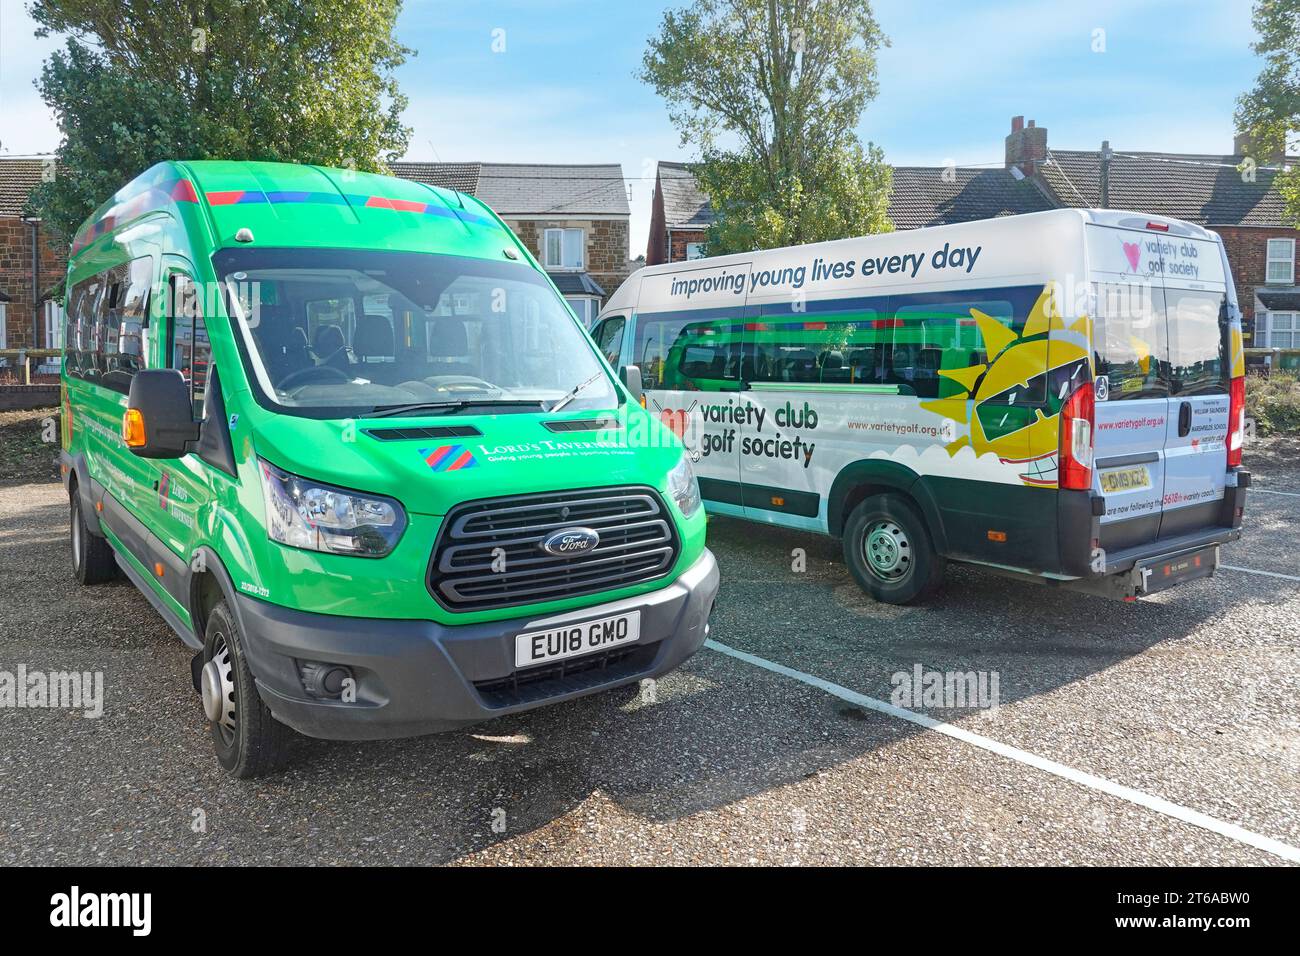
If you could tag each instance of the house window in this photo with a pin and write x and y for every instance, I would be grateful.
(562, 248)
(1283, 330)
(4, 334)
(1281, 261)
(585, 308)
(694, 250)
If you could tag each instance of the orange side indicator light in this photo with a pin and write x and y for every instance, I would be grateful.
(997, 536)
(99, 506)
(133, 428)
(778, 502)
(158, 568)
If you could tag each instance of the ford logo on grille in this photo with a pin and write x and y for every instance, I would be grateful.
(570, 541)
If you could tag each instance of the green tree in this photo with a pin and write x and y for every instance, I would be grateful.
(1270, 113)
(770, 93)
(307, 81)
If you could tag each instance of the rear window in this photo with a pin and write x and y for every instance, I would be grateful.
(1198, 323)
(1130, 340)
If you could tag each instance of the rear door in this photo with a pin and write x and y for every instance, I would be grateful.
(1132, 383)
(1196, 452)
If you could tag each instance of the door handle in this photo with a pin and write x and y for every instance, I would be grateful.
(1184, 419)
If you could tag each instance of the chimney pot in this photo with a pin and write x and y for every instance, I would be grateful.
(1026, 147)
(1031, 124)
(1017, 123)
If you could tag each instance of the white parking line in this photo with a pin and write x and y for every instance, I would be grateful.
(1267, 574)
(1137, 797)
(1270, 491)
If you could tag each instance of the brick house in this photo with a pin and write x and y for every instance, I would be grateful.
(679, 216)
(1207, 189)
(29, 318)
(574, 219)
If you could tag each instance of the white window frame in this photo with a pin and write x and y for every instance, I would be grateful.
(560, 266)
(589, 311)
(4, 325)
(699, 250)
(1287, 258)
(1291, 330)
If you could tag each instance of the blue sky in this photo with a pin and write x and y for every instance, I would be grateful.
(564, 88)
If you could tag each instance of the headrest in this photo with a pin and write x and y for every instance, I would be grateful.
(373, 338)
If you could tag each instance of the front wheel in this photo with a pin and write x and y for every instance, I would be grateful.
(92, 556)
(248, 740)
(888, 548)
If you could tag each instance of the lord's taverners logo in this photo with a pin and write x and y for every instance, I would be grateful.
(449, 458)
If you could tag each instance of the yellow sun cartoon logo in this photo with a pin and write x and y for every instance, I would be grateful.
(993, 401)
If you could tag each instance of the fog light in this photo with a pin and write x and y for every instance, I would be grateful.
(324, 680)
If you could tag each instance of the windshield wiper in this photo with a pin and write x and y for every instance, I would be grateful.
(385, 411)
(573, 393)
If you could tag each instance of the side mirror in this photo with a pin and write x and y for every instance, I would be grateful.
(630, 376)
(159, 420)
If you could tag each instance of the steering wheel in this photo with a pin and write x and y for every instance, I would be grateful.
(325, 374)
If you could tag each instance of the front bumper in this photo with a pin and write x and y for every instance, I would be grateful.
(421, 677)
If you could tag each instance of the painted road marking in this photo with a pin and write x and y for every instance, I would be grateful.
(1269, 491)
(1267, 574)
(1137, 797)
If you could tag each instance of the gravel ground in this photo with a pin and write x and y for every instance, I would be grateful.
(1190, 696)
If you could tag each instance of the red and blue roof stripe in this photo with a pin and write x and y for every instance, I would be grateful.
(182, 190)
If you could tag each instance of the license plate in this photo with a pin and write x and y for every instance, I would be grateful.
(1186, 567)
(576, 639)
(1125, 479)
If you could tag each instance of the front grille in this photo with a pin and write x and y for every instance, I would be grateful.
(638, 543)
(566, 677)
(583, 425)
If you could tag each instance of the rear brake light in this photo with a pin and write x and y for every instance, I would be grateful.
(1158, 226)
(1236, 421)
(1075, 453)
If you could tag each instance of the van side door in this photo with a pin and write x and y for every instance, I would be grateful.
(181, 487)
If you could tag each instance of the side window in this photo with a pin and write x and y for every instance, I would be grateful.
(609, 338)
(1130, 340)
(932, 338)
(124, 322)
(80, 343)
(840, 348)
(682, 353)
(190, 350)
(1198, 340)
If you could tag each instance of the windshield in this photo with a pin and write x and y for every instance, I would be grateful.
(344, 333)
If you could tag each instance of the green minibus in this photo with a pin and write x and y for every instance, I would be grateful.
(343, 433)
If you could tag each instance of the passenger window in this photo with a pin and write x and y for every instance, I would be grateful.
(80, 343)
(191, 352)
(688, 354)
(1130, 342)
(125, 321)
(609, 338)
(839, 348)
(1198, 337)
(943, 335)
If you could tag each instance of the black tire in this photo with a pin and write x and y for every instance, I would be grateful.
(888, 548)
(92, 556)
(248, 740)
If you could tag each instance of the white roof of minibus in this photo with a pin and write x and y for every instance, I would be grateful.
(626, 295)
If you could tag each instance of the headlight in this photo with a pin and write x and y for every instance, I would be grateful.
(307, 514)
(684, 488)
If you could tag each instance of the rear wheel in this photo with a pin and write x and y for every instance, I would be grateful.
(248, 740)
(888, 548)
(92, 556)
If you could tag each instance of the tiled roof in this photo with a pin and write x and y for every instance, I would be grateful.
(462, 177)
(922, 197)
(1204, 189)
(576, 283)
(685, 205)
(1287, 297)
(521, 189)
(18, 177)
